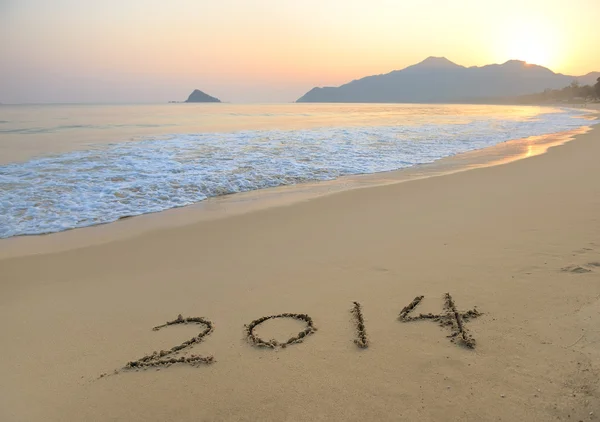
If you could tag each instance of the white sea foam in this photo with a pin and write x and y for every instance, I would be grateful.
(84, 188)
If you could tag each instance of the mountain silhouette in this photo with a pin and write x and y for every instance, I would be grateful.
(200, 97)
(438, 80)
(589, 79)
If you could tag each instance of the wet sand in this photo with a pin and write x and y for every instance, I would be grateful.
(516, 245)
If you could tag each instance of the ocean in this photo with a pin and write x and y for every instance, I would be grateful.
(69, 166)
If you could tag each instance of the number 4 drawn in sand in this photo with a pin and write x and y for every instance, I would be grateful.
(451, 318)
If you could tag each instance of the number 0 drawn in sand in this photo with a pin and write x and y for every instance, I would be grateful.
(273, 344)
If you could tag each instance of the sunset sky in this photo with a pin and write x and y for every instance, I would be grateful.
(269, 50)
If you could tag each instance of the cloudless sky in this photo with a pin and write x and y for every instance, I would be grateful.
(269, 50)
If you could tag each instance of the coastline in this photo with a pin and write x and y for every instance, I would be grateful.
(517, 240)
(245, 202)
(153, 121)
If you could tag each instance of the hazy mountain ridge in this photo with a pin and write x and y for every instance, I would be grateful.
(589, 79)
(438, 80)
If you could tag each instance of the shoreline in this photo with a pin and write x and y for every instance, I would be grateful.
(245, 202)
(519, 242)
(48, 143)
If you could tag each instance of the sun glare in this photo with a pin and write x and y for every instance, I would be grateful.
(532, 43)
(532, 51)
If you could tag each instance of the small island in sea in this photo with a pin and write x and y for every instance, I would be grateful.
(200, 97)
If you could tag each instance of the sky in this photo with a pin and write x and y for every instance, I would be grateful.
(132, 51)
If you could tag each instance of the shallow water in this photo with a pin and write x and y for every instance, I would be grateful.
(118, 161)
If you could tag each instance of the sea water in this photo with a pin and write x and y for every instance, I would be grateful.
(75, 166)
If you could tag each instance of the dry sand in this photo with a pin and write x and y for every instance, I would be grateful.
(519, 241)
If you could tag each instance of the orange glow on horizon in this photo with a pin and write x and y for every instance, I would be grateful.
(270, 50)
(533, 41)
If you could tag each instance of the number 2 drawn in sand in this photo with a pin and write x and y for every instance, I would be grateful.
(161, 358)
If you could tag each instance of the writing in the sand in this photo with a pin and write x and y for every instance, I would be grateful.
(450, 318)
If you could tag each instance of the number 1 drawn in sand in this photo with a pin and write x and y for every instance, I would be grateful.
(361, 333)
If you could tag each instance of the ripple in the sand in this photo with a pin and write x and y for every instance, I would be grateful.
(576, 269)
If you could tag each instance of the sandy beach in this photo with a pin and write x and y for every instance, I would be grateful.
(518, 242)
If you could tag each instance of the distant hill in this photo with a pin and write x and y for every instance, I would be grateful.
(589, 79)
(438, 80)
(200, 97)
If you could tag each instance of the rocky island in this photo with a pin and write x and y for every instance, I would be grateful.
(200, 97)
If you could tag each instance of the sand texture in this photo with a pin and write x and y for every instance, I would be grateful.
(473, 296)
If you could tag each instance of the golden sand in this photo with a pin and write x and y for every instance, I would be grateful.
(517, 247)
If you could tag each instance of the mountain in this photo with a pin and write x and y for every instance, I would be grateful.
(589, 79)
(200, 97)
(438, 80)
